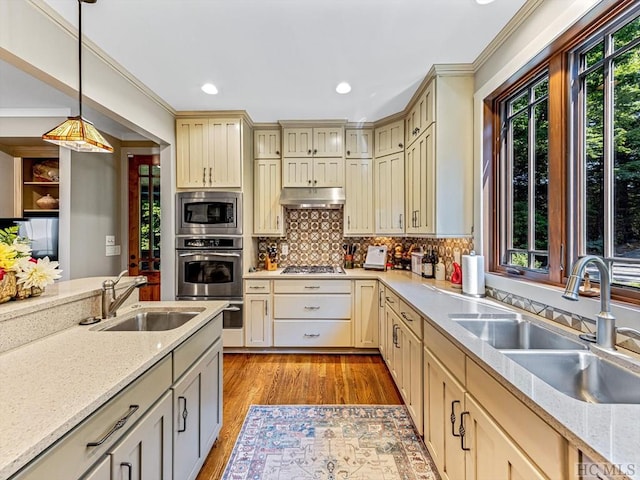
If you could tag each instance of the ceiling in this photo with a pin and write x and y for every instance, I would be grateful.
(277, 59)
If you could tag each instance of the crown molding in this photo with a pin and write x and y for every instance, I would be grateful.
(312, 123)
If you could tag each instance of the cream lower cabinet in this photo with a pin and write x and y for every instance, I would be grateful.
(365, 311)
(475, 429)
(312, 313)
(145, 451)
(102, 471)
(388, 173)
(258, 320)
(268, 214)
(358, 208)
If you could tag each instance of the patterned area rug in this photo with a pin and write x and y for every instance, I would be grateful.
(329, 442)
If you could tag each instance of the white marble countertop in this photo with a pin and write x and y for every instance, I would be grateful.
(606, 432)
(50, 385)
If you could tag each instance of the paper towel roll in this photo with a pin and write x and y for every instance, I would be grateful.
(473, 275)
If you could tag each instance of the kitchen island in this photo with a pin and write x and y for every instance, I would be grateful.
(52, 384)
(606, 433)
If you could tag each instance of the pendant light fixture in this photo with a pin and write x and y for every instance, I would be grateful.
(77, 133)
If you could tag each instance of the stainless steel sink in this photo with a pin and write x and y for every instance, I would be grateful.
(510, 331)
(153, 321)
(582, 375)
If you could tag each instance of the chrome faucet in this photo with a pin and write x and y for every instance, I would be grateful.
(605, 321)
(111, 303)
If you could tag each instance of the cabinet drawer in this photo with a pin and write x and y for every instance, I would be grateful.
(392, 300)
(411, 318)
(70, 457)
(547, 448)
(312, 306)
(312, 286)
(445, 351)
(257, 286)
(319, 333)
(186, 354)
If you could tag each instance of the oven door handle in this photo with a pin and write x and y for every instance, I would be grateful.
(231, 309)
(210, 254)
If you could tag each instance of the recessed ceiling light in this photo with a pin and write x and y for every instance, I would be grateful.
(343, 87)
(484, 2)
(209, 88)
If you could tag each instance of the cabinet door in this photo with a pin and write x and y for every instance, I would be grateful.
(491, 453)
(443, 401)
(267, 211)
(389, 200)
(389, 139)
(192, 155)
(366, 313)
(420, 184)
(266, 144)
(210, 398)
(382, 338)
(297, 142)
(257, 321)
(328, 172)
(102, 471)
(328, 142)
(359, 143)
(411, 386)
(225, 153)
(186, 425)
(358, 208)
(429, 105)
(297, 172)
(145, 451)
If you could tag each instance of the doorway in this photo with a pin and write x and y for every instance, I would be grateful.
(144, 222)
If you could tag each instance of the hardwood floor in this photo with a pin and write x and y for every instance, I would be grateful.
(287, 379)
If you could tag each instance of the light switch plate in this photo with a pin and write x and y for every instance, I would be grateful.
(284, 248)
(110, 240)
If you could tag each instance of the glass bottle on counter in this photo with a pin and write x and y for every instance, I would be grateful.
(427, 266)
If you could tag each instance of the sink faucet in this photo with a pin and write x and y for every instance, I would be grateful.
(605, 321)
(111, 303)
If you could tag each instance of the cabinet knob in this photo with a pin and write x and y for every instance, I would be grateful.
(277, 152)
(400, 145)
(309, 182)
(309, 152)
(348, 152)
(315, 151)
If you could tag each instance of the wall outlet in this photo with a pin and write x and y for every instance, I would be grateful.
(112, 250)
(110, 240)
(284, 248)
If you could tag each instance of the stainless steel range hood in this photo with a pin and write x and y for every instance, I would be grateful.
(318, 197)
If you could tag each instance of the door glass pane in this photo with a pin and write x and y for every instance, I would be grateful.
(594, 163)
(155, 214)
(144, 195)
(520, 179)
(627, 153)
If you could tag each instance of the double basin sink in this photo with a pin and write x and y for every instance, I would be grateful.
(563, 362)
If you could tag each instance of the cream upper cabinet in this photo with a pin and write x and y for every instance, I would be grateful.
(209, 153)
(266, 144)
(313, 172)
(313, 141)
(389, 138)
(389, 199)
(419, 167)
(440, 197)
(358, 143)
(358, 208)
(421, 115)
(268, 214)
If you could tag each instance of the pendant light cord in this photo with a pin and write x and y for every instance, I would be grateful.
(80, 57)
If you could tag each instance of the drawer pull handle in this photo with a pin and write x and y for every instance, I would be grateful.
(312, 287)
(312, 335)
(453, 418)
(129, 468)
(184, 415)
(390, 300)
(311, 308)
(462, 431)
(256, 287)
(406, 317)
(117, 426)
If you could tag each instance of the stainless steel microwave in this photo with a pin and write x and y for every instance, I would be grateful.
(209, 213)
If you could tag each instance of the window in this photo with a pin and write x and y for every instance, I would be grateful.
(607, 106)
(565, 178)
(525, 167)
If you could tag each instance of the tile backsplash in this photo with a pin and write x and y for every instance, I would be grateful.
(315, 237)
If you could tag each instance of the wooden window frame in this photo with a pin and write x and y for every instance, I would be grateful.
(555, 59)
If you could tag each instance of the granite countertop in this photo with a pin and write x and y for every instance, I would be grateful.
(52, 384)
(606, 432)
